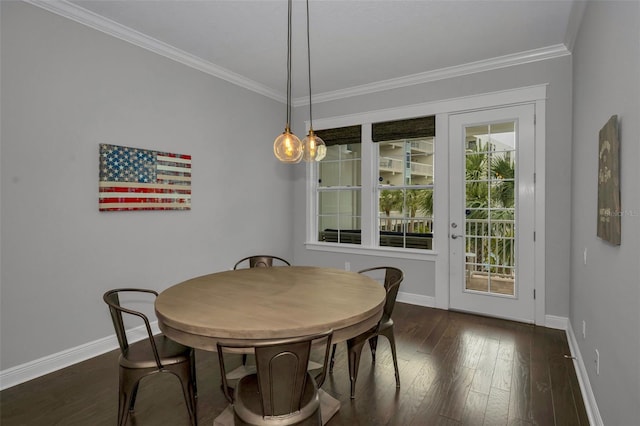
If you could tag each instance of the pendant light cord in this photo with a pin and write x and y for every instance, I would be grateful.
(289, 65)
(309, 67)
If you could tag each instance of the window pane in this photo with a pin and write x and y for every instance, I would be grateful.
(329, 173)
(341, 166)
(333, 153)
(350, 173)
(502, 176)
(391, 163)
(339, 218)
(342, 202)
(421, 158)
(328, 203)
(502, 214)
(502, 137)
(406, 162)
(391, 206)
(405, 218)
(327, 222)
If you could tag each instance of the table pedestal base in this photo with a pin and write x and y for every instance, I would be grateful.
(246, 369)
(328, 407)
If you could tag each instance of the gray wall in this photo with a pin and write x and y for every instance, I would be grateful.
(606, 291)
(67, 88)
(419, 275)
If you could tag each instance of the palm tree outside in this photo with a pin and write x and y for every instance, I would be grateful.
(490, 210)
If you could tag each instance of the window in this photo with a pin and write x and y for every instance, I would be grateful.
(405, 193)
(339, 187)
(394, 163)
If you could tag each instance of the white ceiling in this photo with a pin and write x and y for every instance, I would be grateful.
(356, 45)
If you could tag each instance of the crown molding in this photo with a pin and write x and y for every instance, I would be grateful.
(107, 26)
(519, 58)
(85, 17)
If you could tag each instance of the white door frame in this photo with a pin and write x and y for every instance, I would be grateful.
(530, 95)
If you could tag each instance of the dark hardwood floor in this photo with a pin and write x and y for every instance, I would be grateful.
(455, 369)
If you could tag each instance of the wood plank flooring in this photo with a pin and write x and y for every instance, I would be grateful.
(455, 369)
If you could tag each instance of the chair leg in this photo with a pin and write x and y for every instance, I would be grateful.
(188, 390)
(333, 356)
(193, 373)
(373, 343)
(388, 333)
(355, 350)
(126, 396)
(193, 405)
(123, 405)
(132, 398)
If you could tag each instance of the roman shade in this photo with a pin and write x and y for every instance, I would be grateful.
(341, 135)
(420, 127)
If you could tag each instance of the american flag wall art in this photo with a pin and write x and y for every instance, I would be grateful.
(141, 179)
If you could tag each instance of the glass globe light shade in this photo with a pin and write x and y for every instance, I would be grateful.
(314, 148)
(287, 147)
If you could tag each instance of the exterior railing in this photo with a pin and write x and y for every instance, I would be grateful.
(406, 224)
(391, 164)
(396, 165)
(421, 169)
(490, 246)
(422, 146)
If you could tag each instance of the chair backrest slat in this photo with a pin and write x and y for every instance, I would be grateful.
(392, 279)
(282, 374)
(113, 300)
(281, 369)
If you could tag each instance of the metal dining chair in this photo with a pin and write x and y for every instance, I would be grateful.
(392, 279)
(261, 261)
(281, 391)
(152, 355)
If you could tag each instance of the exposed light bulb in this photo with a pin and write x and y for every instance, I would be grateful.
(313, 147)
(287, 147)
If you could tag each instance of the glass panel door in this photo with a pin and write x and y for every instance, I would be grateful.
(491, 245)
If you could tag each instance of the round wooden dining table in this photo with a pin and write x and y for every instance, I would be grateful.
(249, 305)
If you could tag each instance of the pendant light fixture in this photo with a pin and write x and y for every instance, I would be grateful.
(314, 148)
(287, 147)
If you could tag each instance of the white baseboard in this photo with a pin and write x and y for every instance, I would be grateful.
(563, 323)
(593, 413)
(48, 364)
(416, 299)
(558, 323)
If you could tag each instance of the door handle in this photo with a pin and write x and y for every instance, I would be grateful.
(456, 236)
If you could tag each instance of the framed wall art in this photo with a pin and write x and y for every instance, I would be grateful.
(609, 208)
(141, 179)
